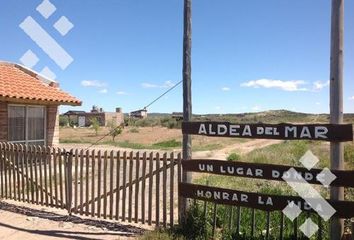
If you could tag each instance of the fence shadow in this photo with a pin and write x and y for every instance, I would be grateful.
(121, 230)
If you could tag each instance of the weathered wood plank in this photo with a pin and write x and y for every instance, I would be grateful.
(82, 180)
(143, 186)
(76, 174)
(124, 182)
(40, 163)
(6, 169)
(46, 152)
(105, 185)
(117, 185)
(111, 172)
(27, 182)
(61, 176)
(172, 177)
(12, 160)
(36, 178)
(87, 181)
(19, 165)
(164, 191)
(130, 197)
(157, 192)
(1, 170)
(55, 158)
(136, 195)
(93, 163)
(50, 151)
(99, 178)
(284, 131)
(151, 169)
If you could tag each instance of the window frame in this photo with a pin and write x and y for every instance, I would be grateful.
(26, 106)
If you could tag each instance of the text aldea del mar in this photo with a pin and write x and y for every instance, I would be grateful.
(247, 131)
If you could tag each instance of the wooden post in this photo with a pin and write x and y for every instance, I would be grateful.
(187, 96)
(336, 105)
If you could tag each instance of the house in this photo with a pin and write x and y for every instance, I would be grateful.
(142, 113)
(177, 115)
(29, 105)
(83, 119)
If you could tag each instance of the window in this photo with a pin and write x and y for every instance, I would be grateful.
(27, 124)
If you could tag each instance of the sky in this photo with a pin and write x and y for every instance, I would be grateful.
(247, 56)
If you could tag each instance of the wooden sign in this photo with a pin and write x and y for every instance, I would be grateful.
(268, 202)
(323, 132)
(266, 171)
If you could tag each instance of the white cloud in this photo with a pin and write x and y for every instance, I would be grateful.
(166, 84)
(351, 98)
(256, 108)
(318, 85)
(293, 85)
(225, 89)
(290, 86)
(93, 83)
(122, 93)
(104, 90)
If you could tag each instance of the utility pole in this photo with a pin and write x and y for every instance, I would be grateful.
(187, 96)
(336, 105)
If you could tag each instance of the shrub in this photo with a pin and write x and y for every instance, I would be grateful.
(233, 157)
(95, 124)
(114, 130)
(349, 153)
(63, 121)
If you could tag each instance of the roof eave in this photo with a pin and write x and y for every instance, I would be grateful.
(39, 102)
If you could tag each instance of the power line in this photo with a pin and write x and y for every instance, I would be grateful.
(170, 89)
(156, 99)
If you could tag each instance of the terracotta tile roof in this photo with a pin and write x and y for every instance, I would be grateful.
(19, 83)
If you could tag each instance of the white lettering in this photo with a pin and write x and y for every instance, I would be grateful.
(320, 132)
(202, 129)
(247, 131)
(305, 132)
(290, 129)
(222, 129)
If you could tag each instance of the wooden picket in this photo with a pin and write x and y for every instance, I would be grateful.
(115, 185)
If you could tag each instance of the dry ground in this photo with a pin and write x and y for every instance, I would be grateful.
(146, 136)
(31, 222)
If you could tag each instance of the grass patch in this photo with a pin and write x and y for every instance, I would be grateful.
(233, 157)
(168, 144)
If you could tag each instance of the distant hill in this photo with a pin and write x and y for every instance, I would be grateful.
(272, 116)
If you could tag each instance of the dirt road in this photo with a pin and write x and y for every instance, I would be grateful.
(240, 148)
(25, 221)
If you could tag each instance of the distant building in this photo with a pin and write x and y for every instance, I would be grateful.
(83, 119)
(142, 113)
(177, 115)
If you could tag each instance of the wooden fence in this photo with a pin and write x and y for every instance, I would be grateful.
(127, 186)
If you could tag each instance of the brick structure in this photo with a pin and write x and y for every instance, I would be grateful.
(29, 105)
(3, 121)
(104, 118)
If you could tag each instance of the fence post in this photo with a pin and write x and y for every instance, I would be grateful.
(69, 178)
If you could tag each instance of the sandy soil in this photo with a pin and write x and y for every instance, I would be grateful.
(25, 221)
(144, 136)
